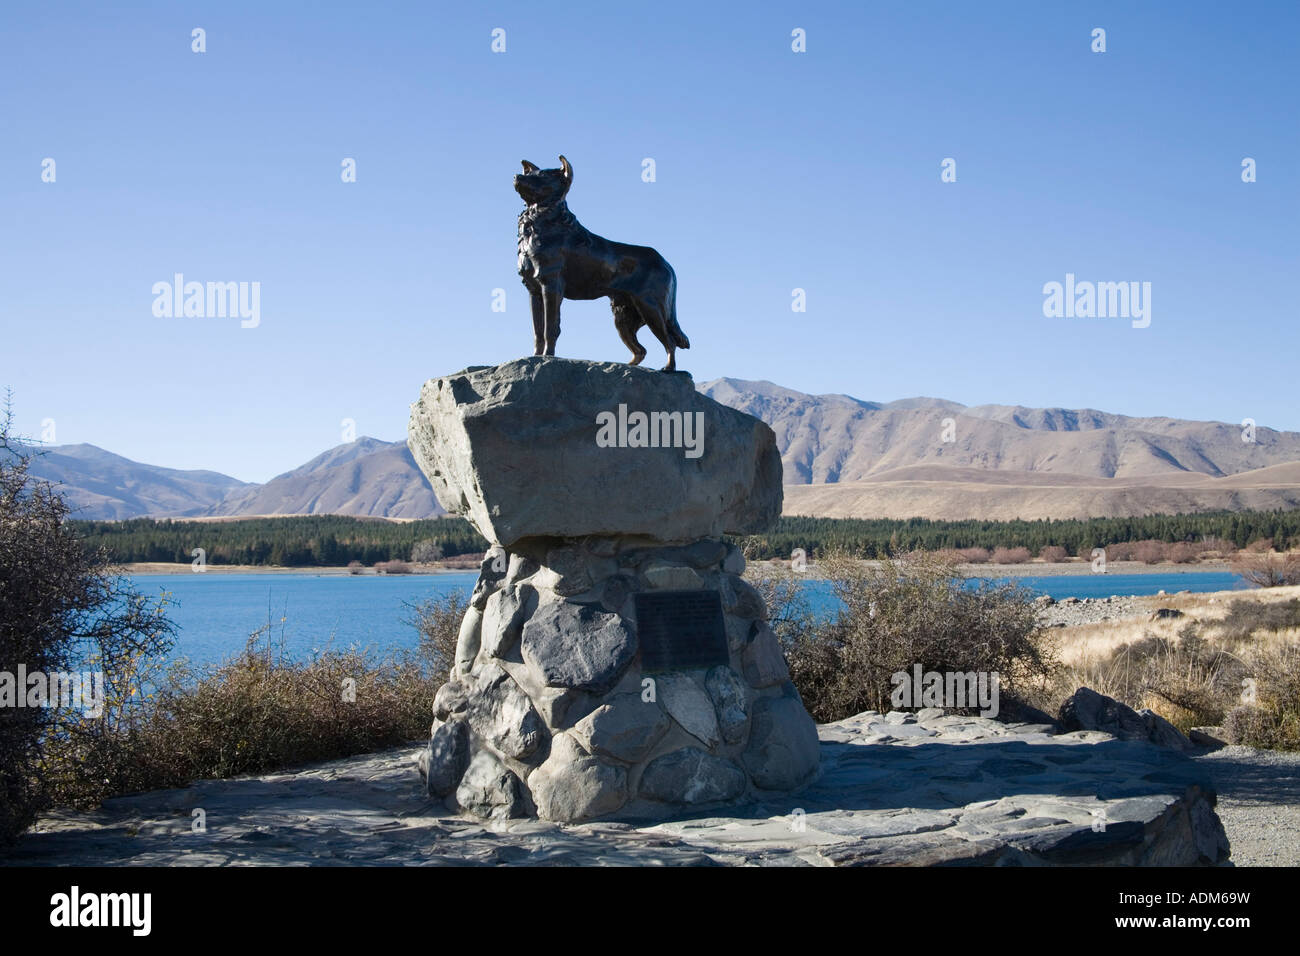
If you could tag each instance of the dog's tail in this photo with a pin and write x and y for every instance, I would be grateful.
(675, 330)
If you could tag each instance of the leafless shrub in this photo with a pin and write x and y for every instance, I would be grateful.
(906, 611)
(426, 552)
(789, 612)
(1247, 618)
(1219, 547)
(62, 608)
(1268, 570)
(1119, 551)
(256, 713)
(438, 622)
(1149, 551)
(1010, 555)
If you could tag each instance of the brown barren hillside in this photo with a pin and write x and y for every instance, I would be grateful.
(366, 477)
(999, 496)
(835, 438)
(925, 457)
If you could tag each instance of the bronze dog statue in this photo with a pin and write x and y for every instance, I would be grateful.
(559, 259)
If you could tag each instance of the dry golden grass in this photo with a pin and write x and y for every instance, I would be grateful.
(1227, 660)
(1085, 642)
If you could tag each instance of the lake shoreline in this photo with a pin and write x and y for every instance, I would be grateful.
(1029, 569)
(1036, 569)
(1084, 567)
(146, 569)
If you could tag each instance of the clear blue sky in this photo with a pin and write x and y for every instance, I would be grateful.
(775, 170)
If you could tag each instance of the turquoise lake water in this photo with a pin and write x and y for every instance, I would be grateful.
(216, 612)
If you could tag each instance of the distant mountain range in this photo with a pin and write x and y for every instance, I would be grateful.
(927, 457)
(378, 479)
(843, 457)
(99, 484)
(366, 477)
(834, 438)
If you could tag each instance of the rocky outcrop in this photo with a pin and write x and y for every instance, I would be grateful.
(950, 790)
(1086, 709)
(552, 706)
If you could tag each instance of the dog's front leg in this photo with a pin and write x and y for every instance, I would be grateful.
(552, 296)
(539, 323)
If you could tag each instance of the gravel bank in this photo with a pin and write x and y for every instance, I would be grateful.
(1075, 611)
(1259, 803)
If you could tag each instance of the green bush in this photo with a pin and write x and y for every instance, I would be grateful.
(902, 612)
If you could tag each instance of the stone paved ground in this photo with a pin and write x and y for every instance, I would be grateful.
(897, 789)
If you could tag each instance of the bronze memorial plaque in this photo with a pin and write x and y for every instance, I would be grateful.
(680, 630)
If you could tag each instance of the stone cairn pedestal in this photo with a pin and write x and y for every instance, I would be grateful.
(560, 703)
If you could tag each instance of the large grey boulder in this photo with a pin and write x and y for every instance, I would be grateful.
(624, 729)
(688, 704)
(573, 786)
(691, 776)
(443, 762)
(514, 448)
(490, 790)
(1086, 709)
(577, 646)
(783, 750)
(730, 699)
(503, 715)
(503, 617)
(764, 662)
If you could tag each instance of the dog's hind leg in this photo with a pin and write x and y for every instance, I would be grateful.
(674, 329)
(627, 320)
(657, 322)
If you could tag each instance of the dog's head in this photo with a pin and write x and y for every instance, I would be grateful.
(543, 187)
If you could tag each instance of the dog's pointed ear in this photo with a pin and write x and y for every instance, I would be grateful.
(528, 167)
(568, 170)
